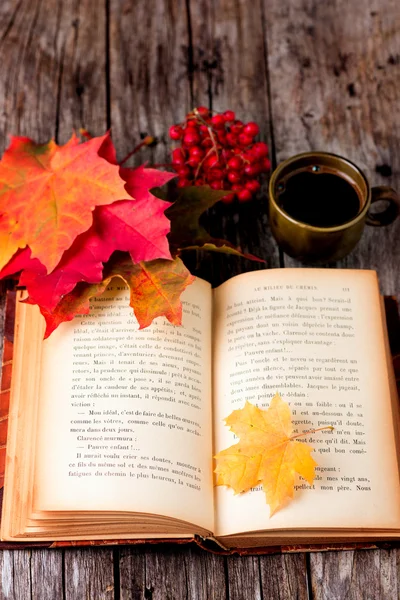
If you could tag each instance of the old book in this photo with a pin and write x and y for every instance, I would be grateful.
(112, 430)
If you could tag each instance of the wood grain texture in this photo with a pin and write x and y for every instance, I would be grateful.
(46, 574)
(156, 574)
(284, 576)
(82, 75)
(15, 575)
(89, 574)
(132, 573)
(357, 575)
(244, 579)
(149, 83)
(30, 67)
(334, 78)
(53, 56)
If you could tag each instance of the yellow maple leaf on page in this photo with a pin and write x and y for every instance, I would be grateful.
(267, 453)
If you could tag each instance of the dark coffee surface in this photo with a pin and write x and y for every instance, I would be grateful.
(319, 199)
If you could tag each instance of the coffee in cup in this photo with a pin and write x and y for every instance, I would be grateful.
(319, 204)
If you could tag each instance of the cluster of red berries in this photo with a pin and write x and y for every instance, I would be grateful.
(219, 151)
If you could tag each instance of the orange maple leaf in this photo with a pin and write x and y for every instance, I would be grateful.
(267, 453)
(48, 193)
(155, 290)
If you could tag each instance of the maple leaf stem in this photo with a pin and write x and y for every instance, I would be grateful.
(148, 140)
(311, 431)
(85, 133)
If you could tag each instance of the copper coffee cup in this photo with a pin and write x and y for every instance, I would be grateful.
(310, 242)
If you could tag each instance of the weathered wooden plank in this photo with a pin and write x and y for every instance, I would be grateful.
(46, 570)
(82, 82)
(355, 575)
(244, 579)
(278, 577)
(149, 82)
(53, 57)
(334, 74)
(15, 575)
(30, 67)
(284, 576)
(53, 68)
(229, 72)
(89, 574)
(180, 573)
(132, 573)
(205, 575)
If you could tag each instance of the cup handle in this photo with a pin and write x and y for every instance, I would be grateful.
(390, 213)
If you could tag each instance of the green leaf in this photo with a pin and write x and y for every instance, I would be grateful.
(186, 232)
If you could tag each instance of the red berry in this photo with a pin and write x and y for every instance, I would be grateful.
(221, 137)
(231, 139)
(237, 127)
(252, 158)
(244, 195)
(203, 111)
(184, 172)
(260, 150)
(196, 151)
(252, 170)
(234, 176)
(176, 165)
(191, 121)
(193, 162)
(229, 116)
(244, 140)
(191, 138)
(217, 185)
(252, 185)
(215, 174)
(229, 198)
(183, 183)
(251, 129)
(236, 187)
(175, 132)
(178, 155)
(265, 165)
(199, 182)
(204, 129)
(235, 163)
(218, 121)
(207, 142)
(211, 162)
(226, 154)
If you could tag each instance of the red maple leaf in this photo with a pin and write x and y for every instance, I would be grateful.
(137, 226)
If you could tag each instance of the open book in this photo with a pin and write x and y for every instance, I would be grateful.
(112, 430)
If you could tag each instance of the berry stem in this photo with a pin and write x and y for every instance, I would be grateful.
(148, 141)
(210, 130)
(201, 163)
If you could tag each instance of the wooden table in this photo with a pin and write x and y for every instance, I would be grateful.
(315, 75)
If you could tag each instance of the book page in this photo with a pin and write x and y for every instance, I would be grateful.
(315, 336)
(125, 415)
